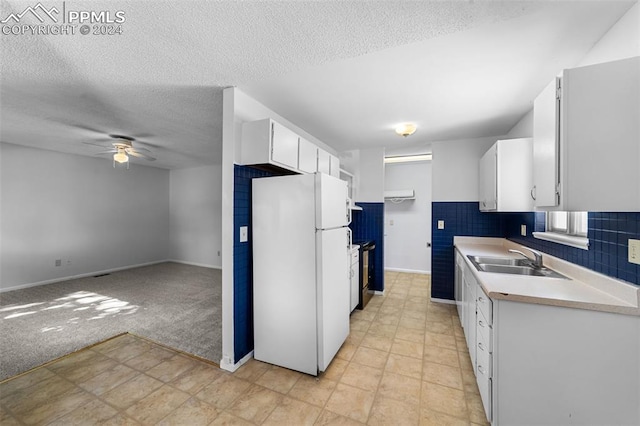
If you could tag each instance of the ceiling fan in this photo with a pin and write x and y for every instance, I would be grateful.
(122, 148)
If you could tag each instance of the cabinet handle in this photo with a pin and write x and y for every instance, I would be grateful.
(481, 324)
(481, 299)
(481, 370)
(533, 192)
(481, 346)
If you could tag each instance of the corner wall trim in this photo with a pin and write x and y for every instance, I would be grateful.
(233, 367)
(85, 275)
(447, 301)
(411, 271)
(202, 265)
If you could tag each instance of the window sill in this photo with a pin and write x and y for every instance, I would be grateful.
(568, 240)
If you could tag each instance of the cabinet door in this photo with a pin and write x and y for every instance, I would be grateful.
(601, 137)
(334, 166)
(488, 180)
(546, 154)
(324, 161)
(470, 315)
(284, 145)
(307, 156)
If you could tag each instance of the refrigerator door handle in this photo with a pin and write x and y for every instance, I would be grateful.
(349, 240)
(348, 211)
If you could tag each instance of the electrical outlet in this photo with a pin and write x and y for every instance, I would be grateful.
(634, 251)
(390, 222)
(441, 224)
(523, 230)
(244, 234)
(58, 262)
(218, 253)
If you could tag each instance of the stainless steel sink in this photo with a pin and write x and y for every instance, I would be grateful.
(505, 265)
(499, 261)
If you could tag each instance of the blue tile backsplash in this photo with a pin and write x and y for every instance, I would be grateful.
(608, 235)
(242, 261)
(368, 224)
(460, 218)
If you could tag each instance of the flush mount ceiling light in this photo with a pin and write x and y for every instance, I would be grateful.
(405, 129)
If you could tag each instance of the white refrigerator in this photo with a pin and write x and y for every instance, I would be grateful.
(301, 270)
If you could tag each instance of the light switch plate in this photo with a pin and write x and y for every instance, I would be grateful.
(244, 234)
(441, 224)
(634, 251)
(523, 230)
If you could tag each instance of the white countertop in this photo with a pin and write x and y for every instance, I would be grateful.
(585, 289)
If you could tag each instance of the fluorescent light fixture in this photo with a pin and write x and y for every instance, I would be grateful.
(408, 158)
(406, 129)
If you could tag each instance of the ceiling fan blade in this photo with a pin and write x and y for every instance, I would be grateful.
(143, 135)
(113, 151)
(140, 155)
(85, 127)
(140, 149)
(101, 144)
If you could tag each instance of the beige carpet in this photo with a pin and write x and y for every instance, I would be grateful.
(174, 304)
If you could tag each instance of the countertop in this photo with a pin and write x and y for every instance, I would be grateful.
(585, 289)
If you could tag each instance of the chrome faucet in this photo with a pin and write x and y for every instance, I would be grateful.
(536, 262)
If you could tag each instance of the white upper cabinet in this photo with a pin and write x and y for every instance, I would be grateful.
(506, 176)
(334, 166)
(488, 180)
(587, 139)
(324, 161)
(307, 156)
(268, 142)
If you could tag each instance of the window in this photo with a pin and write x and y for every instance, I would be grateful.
(570, 223)
(569, 228)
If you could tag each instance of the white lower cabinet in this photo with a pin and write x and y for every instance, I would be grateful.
(469, 306)
(484, 351)
(552, 365)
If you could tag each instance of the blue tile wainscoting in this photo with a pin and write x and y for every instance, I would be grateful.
(243, 260)
(608, 235)
(368, 224)
(460, 218)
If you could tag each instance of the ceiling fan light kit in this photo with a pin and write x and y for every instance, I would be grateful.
(122, 148)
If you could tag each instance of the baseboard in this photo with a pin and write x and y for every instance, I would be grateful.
(411, 271)
(447, 301)
(233, 367)
(202, 265)
(85, 275)
(378, 292)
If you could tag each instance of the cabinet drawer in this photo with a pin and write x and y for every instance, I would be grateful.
(484, 333)
(484, 374)
(485, 384)
(485, 305)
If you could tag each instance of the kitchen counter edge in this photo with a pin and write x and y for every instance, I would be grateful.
(586, 289)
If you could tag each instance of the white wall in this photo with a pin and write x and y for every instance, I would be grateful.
(620, 42)
(80, 210)
(370, 172)
(408, 224)
(455, 168)
(195, 215)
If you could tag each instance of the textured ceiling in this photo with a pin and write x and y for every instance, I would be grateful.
(458, 68)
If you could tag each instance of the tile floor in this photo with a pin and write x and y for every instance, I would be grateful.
(404, 363)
